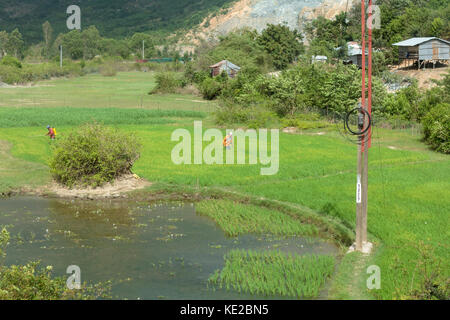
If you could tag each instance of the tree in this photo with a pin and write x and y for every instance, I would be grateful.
(114, 47)
(3, 43)
(73, 44)
(283, 44)
(48, 33)
(437, 27)
(135, 44)
(15, 44)
(91, 42)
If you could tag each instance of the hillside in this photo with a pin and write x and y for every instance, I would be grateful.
(113, 18)
(257, 14)
(118, 19)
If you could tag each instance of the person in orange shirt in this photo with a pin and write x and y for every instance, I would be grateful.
(228, 141)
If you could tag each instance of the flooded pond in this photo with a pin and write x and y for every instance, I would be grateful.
(149, 251)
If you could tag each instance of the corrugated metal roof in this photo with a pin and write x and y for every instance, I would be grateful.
(228, 63)
(353, 49)
(416, 41)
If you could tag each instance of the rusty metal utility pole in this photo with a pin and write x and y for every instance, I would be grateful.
(364, 139)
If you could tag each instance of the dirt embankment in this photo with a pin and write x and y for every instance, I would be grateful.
(424, 77)
(116, 189)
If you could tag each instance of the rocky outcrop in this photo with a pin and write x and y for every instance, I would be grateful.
(257, 14)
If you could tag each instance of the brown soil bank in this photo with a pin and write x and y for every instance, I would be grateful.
(116, 189)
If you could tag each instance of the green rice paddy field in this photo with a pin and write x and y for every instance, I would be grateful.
(409, 185)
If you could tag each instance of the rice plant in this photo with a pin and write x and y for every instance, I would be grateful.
(65, 116)
(273, 273)
(235, 219)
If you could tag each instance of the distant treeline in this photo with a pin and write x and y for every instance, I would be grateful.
(83, 45)
(114, 18)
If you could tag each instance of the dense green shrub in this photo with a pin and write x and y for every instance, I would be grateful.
(210, 88)
(169, 82)
(11, 61)
(436, 128)
(396, 104)
(429, 99)
(10, 75)
(93, 155)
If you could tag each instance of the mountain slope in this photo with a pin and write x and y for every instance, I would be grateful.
(257, 14)
(113, 18)
(199, 18)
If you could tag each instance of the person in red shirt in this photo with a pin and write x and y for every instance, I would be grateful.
(50, 133)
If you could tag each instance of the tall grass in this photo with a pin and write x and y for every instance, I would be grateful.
(34, 72)
(235, 219)
(274, 273)
(63, 116)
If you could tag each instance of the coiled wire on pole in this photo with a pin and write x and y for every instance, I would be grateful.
(364, 123)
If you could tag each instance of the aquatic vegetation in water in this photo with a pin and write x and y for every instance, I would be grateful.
(274, 273)
(236, 219)
(170, 237)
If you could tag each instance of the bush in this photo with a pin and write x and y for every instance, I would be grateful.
(93, 155)
(210, 88)
(11, 61)
(436, 128)
(169, 82)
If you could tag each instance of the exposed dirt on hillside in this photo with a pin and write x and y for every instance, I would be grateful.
(423, 76)
(257, 14)
(207, 28)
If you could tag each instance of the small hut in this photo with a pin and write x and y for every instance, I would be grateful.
(423, 50)
(354, 54)
(224, 65)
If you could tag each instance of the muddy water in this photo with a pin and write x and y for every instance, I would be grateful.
(148, 251)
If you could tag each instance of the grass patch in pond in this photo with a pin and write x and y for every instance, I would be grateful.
(274, 273)
(236, 219)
